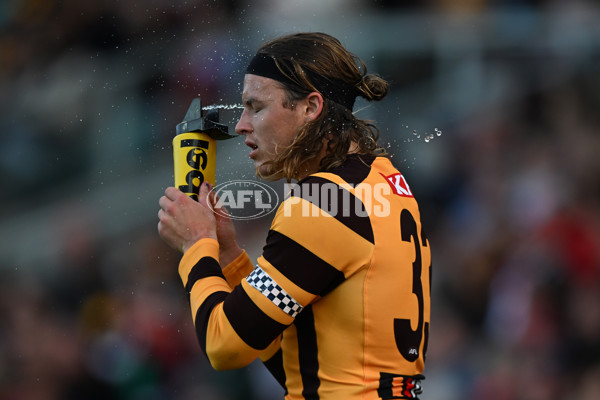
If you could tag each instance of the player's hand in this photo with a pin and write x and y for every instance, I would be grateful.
(183, 221)
(228, 247)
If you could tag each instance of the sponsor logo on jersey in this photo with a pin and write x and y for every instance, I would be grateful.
(399, 185)
(395, 386)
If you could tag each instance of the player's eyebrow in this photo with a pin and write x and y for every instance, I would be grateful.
(252, 101)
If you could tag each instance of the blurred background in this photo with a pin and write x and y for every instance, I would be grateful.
(492, 117)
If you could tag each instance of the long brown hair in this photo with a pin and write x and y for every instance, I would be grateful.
(301, 54)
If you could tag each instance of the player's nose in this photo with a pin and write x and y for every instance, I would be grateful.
(243, 126)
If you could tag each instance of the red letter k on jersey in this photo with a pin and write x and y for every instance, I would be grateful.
(399, 185)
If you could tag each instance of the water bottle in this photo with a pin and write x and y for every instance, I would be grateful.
(195, 148)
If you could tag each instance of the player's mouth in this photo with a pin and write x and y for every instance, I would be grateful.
(254, 148)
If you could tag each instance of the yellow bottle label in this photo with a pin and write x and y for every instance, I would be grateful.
(194, 157)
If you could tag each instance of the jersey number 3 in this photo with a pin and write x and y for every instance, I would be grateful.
(408, 340)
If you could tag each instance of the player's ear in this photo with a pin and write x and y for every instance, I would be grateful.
(313, 106)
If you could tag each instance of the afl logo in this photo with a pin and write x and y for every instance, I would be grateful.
(244, 199)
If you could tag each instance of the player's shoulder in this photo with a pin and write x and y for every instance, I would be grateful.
(329, 196)
(354, 170)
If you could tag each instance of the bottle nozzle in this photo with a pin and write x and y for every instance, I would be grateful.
(209, 124)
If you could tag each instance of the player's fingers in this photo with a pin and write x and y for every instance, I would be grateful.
(172, 193)
(167, 205)
(212, 197)
(205, 190)
(217, 205)
(162, 215)
(163, 202)
(162, 222)
(220, 209)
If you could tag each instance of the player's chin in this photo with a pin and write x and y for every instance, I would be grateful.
(258, 167)
(266, 170)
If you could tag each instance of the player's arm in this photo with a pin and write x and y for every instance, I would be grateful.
(272, 359)
(304, 258)
(223, 316)
(192, 228)
(238, 269)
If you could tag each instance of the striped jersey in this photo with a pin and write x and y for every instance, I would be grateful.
(338, 305)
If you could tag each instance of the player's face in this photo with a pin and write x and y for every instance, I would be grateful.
(268, 126)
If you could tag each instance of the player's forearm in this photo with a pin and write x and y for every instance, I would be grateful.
(237, 269)
(208, 289)
(227, 254)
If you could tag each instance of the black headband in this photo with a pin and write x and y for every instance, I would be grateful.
(337, 91)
